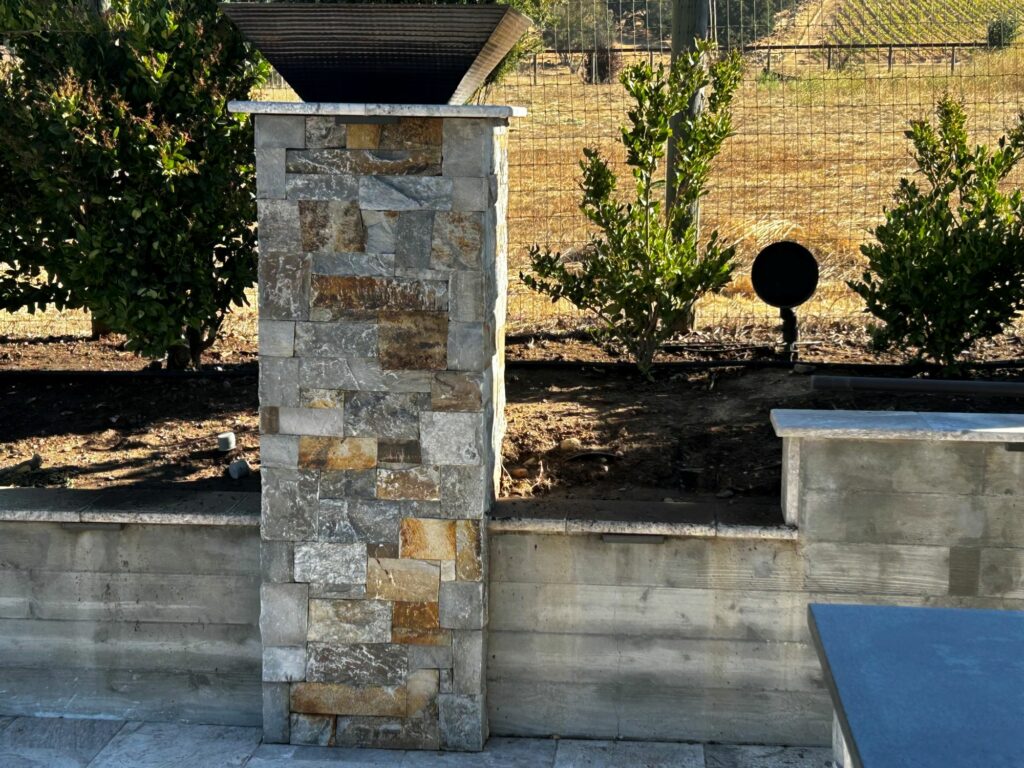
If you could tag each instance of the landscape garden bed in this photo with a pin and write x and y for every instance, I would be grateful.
(582, 430)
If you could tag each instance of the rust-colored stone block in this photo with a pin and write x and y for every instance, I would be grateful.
(398, 452)
(438, 637)
(363, 136)
(457, 241)
(468, 563)
(413, 341)
(420, 483)
(339, 699)
(331, 226)
(415, 616)
(270, 421)
(322, 398)
(412, 581)
(412, 133)
(337, 297)
(427, 539)
(455, 391)
(337, 452)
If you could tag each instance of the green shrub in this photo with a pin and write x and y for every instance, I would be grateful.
(947, 265)
(1002, 31)
(125, 186)
(646, 268)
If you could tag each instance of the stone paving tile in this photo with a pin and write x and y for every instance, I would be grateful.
(282, 756)
(54, 742)
(5, 721)
(173, 745)
(725, 756)
(613, 754)
(500, 753)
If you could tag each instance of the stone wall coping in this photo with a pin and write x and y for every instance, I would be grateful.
(899, 425)
(554, 526)
(469, 111)
(130, 506)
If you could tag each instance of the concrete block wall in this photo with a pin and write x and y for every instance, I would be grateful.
(145, 622)
(382, 307)
(706, 638)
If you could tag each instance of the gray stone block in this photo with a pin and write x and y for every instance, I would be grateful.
(276, 561)
(325, 131)
(360, 374)
(276, 706)
(380, 227)
(412, 239)
(279, 451)
(304, 186)
(319, 422)
(462, 605)
(468, 661)
(471, 194)
(284, 664)
(333, 524)
(280, 131)
(288, 503)
(337, 591)
(430, 657)
(388, 415)
(375, 521)
(464, 492)
(457, 241)
(277, 338)
(270, 174)
(278, 227)
(336, 339)
(360, 664)
(312, 730)
(283, 614)
(355, 484)
(283, 282)
(279, 381)
(405, 193)
(468, 148)
(467, 347)
(463, 722)
(451, 438)
(354, 264)
(326, 563)
(466, 301)
(349, 621)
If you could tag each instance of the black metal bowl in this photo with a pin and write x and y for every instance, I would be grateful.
(367, 53)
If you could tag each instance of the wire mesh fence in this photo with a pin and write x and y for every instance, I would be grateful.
(819, 146)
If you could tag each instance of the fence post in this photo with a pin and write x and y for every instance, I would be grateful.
(952, 60)
(535, 69)
(828, 58)
(891, 55)
(691, 20)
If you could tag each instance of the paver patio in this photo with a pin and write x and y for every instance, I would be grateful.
(29, 742)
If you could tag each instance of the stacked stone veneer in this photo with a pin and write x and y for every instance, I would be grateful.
(382, 303)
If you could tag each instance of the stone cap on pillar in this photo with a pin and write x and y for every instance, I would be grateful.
(468, 111)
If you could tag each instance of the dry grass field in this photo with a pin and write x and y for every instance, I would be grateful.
(816, 154)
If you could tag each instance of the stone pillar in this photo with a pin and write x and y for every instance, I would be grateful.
(382, 291)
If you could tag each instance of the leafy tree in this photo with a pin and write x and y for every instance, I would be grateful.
(125, 186)
(947, 265)
(646, 267)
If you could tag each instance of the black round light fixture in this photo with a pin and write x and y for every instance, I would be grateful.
(785, 275)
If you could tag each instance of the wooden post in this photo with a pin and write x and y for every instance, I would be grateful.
(691, 21)
(828, 58)
(891, 56)
(952, 61)
(535, 69)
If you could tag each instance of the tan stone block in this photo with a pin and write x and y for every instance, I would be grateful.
(363, 136)
(413, 341)
(447, 570)
(322, 398)
(415, 616)
(339, 699)
(412, 581)
(406, 636)
(455, 391)
(412, 133)
(421, 483)
(422, 689)
(336, 297)
(331, 226)
(337, 452)
(270, 420)
(457, 241)
(468, 565)
(427, 539)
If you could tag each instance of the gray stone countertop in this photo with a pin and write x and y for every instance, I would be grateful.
(130, 505)
(899, 425)
(472, 111)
